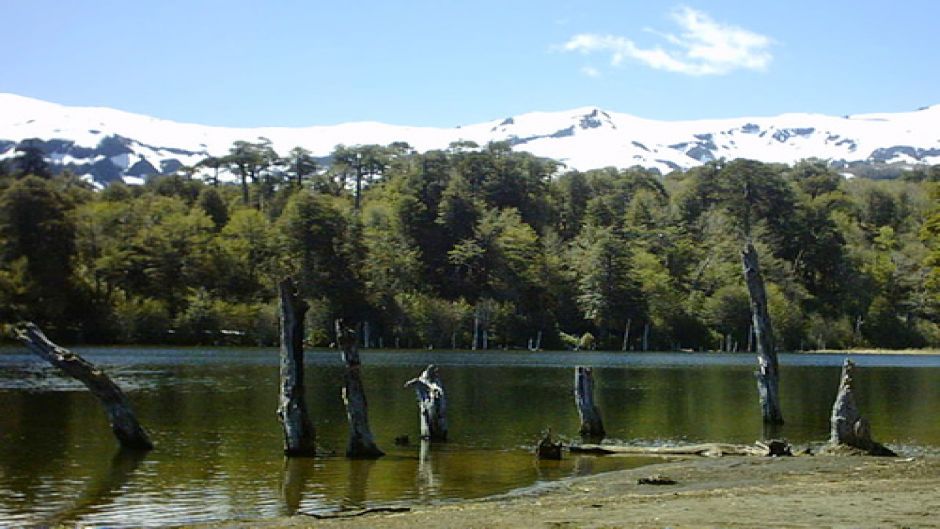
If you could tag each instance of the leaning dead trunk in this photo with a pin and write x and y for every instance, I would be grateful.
(847, 426)
(124, 423)
(432, 404)
(299, 434)
(591, 425)
(361, 445)
(768, 377)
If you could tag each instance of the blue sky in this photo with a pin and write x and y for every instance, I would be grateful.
(445, 63)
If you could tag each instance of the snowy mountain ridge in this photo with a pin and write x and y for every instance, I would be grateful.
(110, 144)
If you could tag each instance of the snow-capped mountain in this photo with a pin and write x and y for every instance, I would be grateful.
(111, 145)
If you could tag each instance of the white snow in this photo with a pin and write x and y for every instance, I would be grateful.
(614, 142)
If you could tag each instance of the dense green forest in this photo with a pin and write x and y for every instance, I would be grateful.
(425, 248)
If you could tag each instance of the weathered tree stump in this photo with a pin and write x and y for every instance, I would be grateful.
(361, 445)
(121, 416)
(548, 448)
(432, 404)
(299, 433)
(592, 427)
(847, 426)
(768, 377)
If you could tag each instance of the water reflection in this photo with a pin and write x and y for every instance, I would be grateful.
(358, 483)
(297, 472)
(219, 445)
(101, 489)
(427, 481)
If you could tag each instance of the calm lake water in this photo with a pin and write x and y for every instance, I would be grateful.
(218, 456)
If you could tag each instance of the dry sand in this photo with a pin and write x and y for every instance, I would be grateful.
(822, 491)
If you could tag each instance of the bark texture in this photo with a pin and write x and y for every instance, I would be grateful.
(847, 426)
(361, 445)
(432, 404)
(592, 427)
(299, 434)
(121, 416)
(768, 377)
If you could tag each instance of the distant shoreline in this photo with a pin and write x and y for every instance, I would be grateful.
(872, 351)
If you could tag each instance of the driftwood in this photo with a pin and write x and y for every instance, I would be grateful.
(361, 445)
(548, 448)
(656, 479)
(847, 426)
(299, 434)
(768, 373)
(432, 404)
(772, 448)
(353, 514)
(592, 427)
(124, 423)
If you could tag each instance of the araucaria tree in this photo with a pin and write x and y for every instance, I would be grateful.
(473, 245)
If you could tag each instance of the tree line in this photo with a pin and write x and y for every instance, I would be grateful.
(472, 247)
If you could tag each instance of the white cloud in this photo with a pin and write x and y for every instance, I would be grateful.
(702, 47)
(591, 71)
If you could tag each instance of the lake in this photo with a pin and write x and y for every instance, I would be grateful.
(211, 413)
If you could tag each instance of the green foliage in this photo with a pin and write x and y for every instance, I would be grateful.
(444, 248)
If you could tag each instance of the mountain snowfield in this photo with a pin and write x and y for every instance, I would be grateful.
(109, 144)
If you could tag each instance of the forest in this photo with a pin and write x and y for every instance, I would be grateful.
(471, 247)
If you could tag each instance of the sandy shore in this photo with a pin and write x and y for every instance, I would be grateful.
(822, 491)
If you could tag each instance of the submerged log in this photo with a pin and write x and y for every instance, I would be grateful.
(774, 448)
(123, 422)
(299, 434)
(847, 426)
(361, 445)
(432, 404)
(768, 377)
(592, 427)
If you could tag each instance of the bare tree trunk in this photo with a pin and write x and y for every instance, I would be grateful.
(626, 335)
(432, 404)
(299, 434)
(591, 425)
(123, 422)
(847, 426)
(646, 337)
(768, 376)
(476, 331)
(361, 445)
(538, 341)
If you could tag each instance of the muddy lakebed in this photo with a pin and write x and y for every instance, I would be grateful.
(218, 457)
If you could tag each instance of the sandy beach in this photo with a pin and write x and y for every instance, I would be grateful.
(821, 491)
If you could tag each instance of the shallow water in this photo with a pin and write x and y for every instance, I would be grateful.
(211, 413)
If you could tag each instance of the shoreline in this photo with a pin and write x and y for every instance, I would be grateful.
(899, 352)
(736, 491)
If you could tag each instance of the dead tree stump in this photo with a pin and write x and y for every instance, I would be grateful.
(548, 448)
(847, 426)
(361, 445)
(299, 434)
(432, 404)
(768, 373)
(123, 422)
(592, 427)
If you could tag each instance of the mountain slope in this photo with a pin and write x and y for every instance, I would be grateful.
(110, 144)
